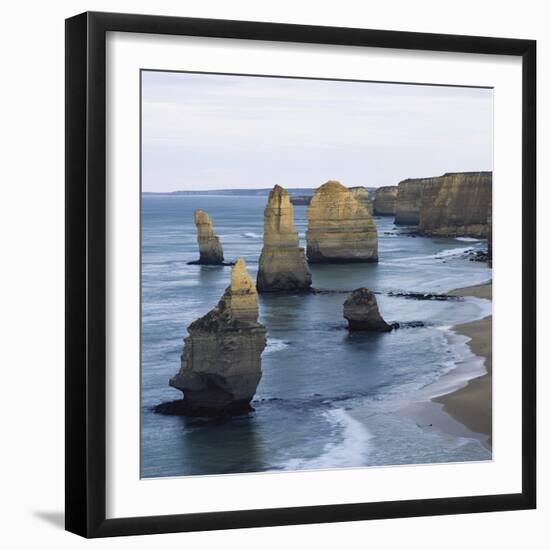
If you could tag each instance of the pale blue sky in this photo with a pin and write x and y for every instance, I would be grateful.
(217, 131)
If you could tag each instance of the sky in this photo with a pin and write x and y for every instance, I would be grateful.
(203, 131)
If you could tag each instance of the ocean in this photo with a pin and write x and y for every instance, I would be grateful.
(317, 377)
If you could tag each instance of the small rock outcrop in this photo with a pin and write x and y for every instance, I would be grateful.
(340, 228)
(210, 248)
(384, 201)
(407, 204)
(362, 195)
(361, 312)
(283, 264)
(456, 204)
(221, 358)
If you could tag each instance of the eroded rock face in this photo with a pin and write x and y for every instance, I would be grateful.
(283, 264)
(221, 358)
(340, 228)
(385, 200)
(407, 205)
(361, 312)
(362, 195)
(210, 248)
(456, 204)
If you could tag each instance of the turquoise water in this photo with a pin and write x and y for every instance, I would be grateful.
(315, 373)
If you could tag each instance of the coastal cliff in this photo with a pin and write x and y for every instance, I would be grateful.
(407, 204)
(456, 204)
(210, 248)
(283, 264)
(340, 228)
(384, 201)
(221, 358)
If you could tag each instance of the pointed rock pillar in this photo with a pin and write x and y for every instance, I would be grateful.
(210, 248)
(283, 264)
(221, 358)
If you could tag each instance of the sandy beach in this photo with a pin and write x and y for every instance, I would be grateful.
(472, 404)
(463, 403)
(466, 411)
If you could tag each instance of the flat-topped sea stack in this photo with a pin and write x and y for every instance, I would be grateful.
(456, 203)
(361, 312)
(407, 204)
(384, 201)
(210, 248)
(340, 228)
(362, 195)
(283, 264)
(221, 358)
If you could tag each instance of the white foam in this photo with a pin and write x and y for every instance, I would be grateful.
(251, 235)
(349, 452)
(452, 252)
(461, 368)
(441, 255)
(467, 239)
(273, 345)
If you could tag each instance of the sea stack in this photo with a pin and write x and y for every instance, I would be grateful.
(361, 312)
(456, 203)
(283, 264)
(384, 201)
(340, 228)
(407, 205)
(210, 248)
(221, 358)
(362, 195)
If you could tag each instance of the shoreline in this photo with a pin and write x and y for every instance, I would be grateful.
(471, 404)
(460, 402)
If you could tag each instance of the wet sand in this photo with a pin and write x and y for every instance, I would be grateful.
(472, 404)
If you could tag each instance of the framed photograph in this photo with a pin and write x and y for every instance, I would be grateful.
(293, 255)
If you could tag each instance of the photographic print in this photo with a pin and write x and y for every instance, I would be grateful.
(315, 274)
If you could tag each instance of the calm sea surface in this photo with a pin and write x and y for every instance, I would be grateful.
(315, 374)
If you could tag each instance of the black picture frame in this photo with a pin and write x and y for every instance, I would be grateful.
(86, 269)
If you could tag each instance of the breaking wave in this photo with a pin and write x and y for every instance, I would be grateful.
(273, 345)
(350, 447)
(467, 239)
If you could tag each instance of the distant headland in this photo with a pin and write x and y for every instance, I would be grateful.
(261, 192)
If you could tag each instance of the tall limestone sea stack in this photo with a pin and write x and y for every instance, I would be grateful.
(283, 264)
(221, 358)
(407, 205)
(456, 203)
(340, 228)
(384, 201)
(210, 248)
